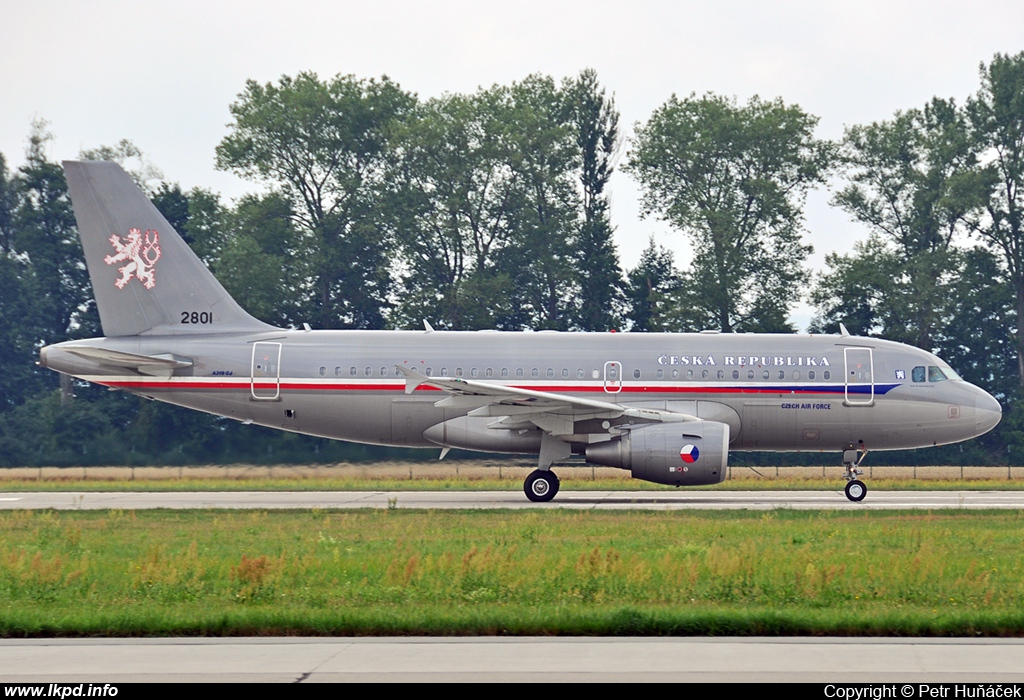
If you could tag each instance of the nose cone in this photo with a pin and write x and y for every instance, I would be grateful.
(987, 411)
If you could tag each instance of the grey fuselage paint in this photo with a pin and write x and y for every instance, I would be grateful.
(776, 392)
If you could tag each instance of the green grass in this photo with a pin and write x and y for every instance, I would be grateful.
(530, 572)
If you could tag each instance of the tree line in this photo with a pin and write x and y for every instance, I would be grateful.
(377, 209)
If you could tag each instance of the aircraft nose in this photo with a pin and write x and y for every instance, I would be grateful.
(987, 411)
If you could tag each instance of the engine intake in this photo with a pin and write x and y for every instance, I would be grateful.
(678, 454)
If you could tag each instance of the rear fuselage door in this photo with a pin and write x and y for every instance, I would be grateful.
(613, 377)
(860, 376)
(266, 371)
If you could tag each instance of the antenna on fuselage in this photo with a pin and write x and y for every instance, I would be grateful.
(842, 331)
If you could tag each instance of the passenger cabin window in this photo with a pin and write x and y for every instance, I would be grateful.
(565, 373)
(810, 374)
(735, 374)
(636, 374)
(474, 372)
(935, 374)
(581, 373)
(796, 374)
(551, 373)
(766, 374)
(689, 374)
(352, 371)
(430, 371)
(383, 371)
(337, 371)
(721, 374)
(535, 373)
(750, 374)
(675, 374)
(368, 371)
(504, 372)
(519, 372)
(444, 371)
(323, 371)
(826, 375)
(660, 374)
(458, 371)
(782, 374)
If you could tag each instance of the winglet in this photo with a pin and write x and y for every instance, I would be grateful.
(412, 379)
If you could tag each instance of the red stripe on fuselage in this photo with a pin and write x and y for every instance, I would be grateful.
(186, 385)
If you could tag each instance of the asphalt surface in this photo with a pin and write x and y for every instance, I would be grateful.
(308, 660)
(651, 500)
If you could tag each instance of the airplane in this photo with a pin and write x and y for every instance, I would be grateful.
(668, 407)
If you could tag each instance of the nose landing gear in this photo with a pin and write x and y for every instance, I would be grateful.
(853, 455)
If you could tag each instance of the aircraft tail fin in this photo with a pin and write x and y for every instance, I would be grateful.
(145, 277)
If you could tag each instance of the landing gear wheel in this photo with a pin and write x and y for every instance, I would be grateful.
(541, 486)
(856, 490)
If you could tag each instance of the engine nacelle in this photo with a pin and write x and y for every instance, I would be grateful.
(473, 433)
(678, 454)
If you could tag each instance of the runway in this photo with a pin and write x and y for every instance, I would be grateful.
(599, 500)
(504, 659)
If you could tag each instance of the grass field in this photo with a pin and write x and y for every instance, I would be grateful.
(510, 572)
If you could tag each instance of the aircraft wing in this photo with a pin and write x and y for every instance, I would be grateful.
(552, 412)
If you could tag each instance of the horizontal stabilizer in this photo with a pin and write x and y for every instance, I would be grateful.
(147, 364)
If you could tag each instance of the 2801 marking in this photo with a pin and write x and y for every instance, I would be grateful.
(196, 317)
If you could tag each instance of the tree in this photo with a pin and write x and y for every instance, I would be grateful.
(326, 145)
(649, 290)
(263, 264)
(997, 116)
(489, 210)
(45, 236)
(130, 157)
(596, 124)
(912, 181)
(733, 178)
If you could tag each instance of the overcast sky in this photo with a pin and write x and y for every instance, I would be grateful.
(164, 74)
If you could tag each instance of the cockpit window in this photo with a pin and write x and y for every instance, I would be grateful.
(917, 374)
(935, 374)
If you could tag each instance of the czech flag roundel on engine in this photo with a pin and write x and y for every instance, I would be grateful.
(689, 453)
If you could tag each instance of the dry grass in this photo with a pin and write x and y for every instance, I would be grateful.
(483, 475)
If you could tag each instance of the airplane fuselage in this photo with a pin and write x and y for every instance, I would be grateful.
(775, 392)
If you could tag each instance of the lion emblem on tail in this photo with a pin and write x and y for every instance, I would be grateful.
(141, 252)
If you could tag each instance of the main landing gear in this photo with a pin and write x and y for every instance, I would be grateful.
(853, 455)
(541, 485)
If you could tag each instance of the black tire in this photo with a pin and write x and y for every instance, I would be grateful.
(856, 490)
(541, 486)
